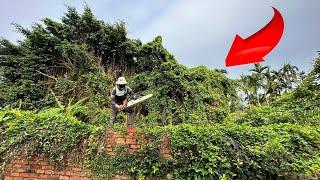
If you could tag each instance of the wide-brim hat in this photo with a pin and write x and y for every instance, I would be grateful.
(121, 81)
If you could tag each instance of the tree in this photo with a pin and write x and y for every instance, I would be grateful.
(289, 76)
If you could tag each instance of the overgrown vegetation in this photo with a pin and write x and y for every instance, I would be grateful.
(54, 99)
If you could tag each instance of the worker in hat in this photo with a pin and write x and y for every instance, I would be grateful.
(119, 99)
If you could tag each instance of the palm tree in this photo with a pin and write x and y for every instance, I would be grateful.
(249, 87)
(258, 79)
(274, 83)
(244, 86)
(290, 76)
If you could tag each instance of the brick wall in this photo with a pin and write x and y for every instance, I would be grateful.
(132, 141)
(43, 168)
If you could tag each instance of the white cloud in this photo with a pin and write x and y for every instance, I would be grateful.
(201, 32)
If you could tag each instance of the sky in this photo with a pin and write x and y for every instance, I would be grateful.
(196, 32)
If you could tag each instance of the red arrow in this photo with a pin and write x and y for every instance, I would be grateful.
(255, 47)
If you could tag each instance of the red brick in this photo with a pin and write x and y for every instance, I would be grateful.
(74, 178)
(64, 177)
(25, 166)
(41, 158)
(131, 141)
(128, 136)
(109, 149)
(111, 143)
(17, 178)
(121, 177)
(47, 167)
(20, 170)
(39, 171)
(61, 173)
(32, 162)
(15, 174)
(48, 172)
(108, 146)
(84, 178)
(68, 168)
(43, 163)
(131, 134)
(131, 130)
(42, 176)
(7, 178)
(44, 169)
(120, 141)
(111, 153)
(76, 169)
(133, 146)
(116, 135)
(8, 170)
(70, 173)
(28, 175)
(53, 177)
(16, 165)
(10, 165)
(20, 162)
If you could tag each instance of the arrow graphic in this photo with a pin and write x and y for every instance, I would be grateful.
(258, 45)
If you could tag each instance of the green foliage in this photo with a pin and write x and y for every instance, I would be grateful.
(19, 77)
(51, 133)
(264, 85)
(228, 150)
(93, 86)
(301, 106)
(183, 95)
(81, 56)
(202, 151)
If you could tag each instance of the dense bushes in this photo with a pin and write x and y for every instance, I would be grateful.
(243, 152)
(51, 133)
(81, 57)
(301, 106)
(216, 151)
(183, 95)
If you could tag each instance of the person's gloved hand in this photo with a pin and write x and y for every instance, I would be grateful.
(118, 107)
(122, 106)
(134, 97)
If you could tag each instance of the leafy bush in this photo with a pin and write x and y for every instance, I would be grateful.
(49, 133)
(225, 151)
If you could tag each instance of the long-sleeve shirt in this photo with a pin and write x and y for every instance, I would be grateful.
(120, 99)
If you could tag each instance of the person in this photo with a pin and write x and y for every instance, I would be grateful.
(120, 95)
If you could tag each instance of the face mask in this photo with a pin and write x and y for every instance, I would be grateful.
(119, 91)
(121, 87)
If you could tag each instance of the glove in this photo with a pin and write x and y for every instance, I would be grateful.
(118, 107)
(134, 97)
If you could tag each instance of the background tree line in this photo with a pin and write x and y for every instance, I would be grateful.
(81, 57)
